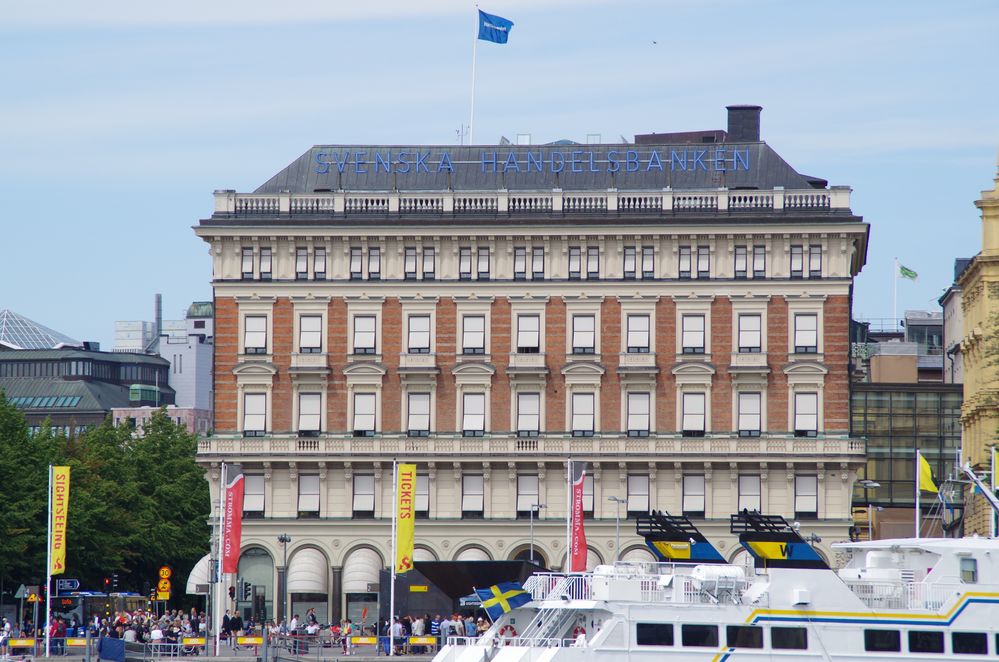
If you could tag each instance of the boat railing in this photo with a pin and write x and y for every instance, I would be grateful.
(536, 642)
(922, 596)
(681, 588)
(555, 586)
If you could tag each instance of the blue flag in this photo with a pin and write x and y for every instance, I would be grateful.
(494, 28)
(503, 597)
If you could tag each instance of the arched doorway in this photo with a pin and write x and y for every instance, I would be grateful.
(308, 583)
(524, 554)
(473, 553)
(593, 559)
(257, 567)
(360, 584)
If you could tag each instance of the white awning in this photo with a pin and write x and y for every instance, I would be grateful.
(308, 572)
(638, 555)
(199, 574)
(473, 554)
(423, 554)
(361, 569)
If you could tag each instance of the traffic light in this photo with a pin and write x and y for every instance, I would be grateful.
(107, 584)
(247, 591)
(232, 592)
(114, 582)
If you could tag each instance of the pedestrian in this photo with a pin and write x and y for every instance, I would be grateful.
(348, 631)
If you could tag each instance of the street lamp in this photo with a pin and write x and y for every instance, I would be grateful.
(617, 526)
(869, 484)
(284, 539)
(535, 507)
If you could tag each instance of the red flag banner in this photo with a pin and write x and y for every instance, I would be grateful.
(232, 530)
(578, 549)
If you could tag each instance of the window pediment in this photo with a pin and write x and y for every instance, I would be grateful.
(806, 369)
(478, 369)
(693, 369)
(255, 368)
(364, 369)
(583, 369)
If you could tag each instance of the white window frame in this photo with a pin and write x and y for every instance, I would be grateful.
(524, 336)
(363, 494)
(759, 261)
(355, 337)
(520, 262)
(356, 263)
(528, 493)
(693, 340)
(648, 262)
(639, 422)
(694, 496)
(482, 263)
(584, 341)
(469, 336)
(588, 500)
(528, 400)
(319, 263)
(750, 493)
(749, 423)
(584, 418)
(740, 259)
(638, 493)
(684, 262)
(310, 411)
(690, 403)
(410, 262)
(301, 263)
(419, 405)
(266, 260)
(465, 263)
(704, 262)
(259, 334)
(592, 262)
(634, 333)
(796, 266)
(421, 500)
(473, 495)
(815, 261)
(806, 413)
(747, 336)
(538, 263)
(374, 263)
(801, 336)
(630, 267)
(418, 340)
(246, 262)
(359, 416)
(310, 340)
(309, 487)
(575, 259)
(429, 258)
(255, 416)
(254, 493)
(806, 496)
(473, 413)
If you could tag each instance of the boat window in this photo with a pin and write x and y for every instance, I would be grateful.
(969, 571)
(744, 636)
(700, 635)
(926, 641)
(789, 638)
(969, 643)
(654, 634)
(882, 641)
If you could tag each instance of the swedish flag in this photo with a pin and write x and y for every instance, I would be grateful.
(503, 597)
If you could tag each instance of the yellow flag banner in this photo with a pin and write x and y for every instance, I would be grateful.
(405, 513)
(926, 476)
(59, 515)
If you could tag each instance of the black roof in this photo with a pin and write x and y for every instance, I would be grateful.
(583, 167)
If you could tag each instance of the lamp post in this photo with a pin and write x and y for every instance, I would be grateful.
(284, 539)
(869, 484)
(535, 507)
(617, 527)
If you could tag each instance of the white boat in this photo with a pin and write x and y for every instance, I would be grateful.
(921, 599)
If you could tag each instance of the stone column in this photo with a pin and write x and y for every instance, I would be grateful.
(336, 594)
(279, 599)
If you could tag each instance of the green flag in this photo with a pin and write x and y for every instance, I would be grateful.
(906, 272)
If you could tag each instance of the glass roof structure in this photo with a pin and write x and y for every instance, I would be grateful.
(18, 332)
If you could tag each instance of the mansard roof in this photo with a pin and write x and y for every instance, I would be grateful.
(751, 165)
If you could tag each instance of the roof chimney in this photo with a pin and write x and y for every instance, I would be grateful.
(744, 124)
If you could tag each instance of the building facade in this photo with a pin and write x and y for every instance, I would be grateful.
(76, 388)
(676, 314)
(979, 283)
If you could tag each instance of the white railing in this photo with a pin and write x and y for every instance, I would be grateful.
(510, 444)
(919, 596)
(665, 201)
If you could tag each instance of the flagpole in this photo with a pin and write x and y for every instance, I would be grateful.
(395, 545)
(475, 47)
(219, 590)
(568, 518)
(894, 300)
(48, 572)
(919, 470)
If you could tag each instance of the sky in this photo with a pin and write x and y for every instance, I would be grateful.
(119, 118)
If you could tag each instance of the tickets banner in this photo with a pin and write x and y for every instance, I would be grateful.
(405, 512)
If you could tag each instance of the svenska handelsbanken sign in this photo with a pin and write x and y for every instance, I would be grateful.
(433, 160)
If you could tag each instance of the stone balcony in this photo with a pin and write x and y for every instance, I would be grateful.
(307, 363)
(608, 445)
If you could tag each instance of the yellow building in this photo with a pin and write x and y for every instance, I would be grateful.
(980, 413)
